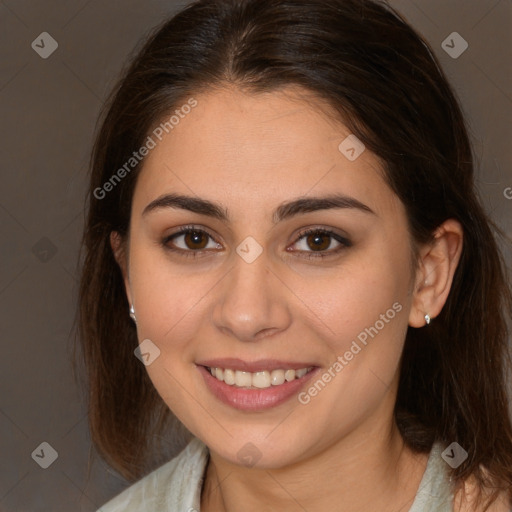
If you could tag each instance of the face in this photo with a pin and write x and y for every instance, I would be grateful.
(269, 279)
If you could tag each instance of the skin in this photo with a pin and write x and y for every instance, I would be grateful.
(250, 153)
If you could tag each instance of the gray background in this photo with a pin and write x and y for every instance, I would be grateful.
(49, 108)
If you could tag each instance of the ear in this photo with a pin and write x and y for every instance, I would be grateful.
(119, 249)
(436, 268)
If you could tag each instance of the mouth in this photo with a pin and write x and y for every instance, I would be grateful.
(257, 380)
(255, 386)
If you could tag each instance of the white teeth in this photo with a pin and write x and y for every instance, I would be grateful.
(300, 373)
(260, 380)
(277, 377)
(229, 377)
(289, 375)
(243, 379)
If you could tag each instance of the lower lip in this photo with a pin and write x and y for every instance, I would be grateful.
(254, 399)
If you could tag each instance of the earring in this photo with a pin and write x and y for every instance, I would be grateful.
(427, 319)
(132, 314)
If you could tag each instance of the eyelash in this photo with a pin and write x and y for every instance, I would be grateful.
(345, 243)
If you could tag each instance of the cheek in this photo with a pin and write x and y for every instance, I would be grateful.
(363, 321)
(169, 305)
(362, 309)
(167, 299)
(355, 296)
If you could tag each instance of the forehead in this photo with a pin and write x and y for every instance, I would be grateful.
(258, 149)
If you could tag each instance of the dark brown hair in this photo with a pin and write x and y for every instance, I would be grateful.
(382, 80)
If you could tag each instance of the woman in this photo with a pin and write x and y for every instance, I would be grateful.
(285, 251)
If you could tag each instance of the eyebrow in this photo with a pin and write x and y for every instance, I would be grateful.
(285, 211)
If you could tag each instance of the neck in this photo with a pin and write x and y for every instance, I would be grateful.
(370, 469)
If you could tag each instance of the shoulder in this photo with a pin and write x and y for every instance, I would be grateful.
(465, 499)
(174, 486)
(437, 493)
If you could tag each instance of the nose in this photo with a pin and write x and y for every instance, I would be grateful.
(252, 302)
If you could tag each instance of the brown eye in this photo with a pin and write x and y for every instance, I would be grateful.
(190, 241)
(196, 239)
(318, 241)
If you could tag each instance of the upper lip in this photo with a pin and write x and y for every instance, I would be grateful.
(254, 366)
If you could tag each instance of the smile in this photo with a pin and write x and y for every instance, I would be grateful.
(255, 386)
(257, 380)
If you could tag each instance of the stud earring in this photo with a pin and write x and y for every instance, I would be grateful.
(427, 319)
(132, 314)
